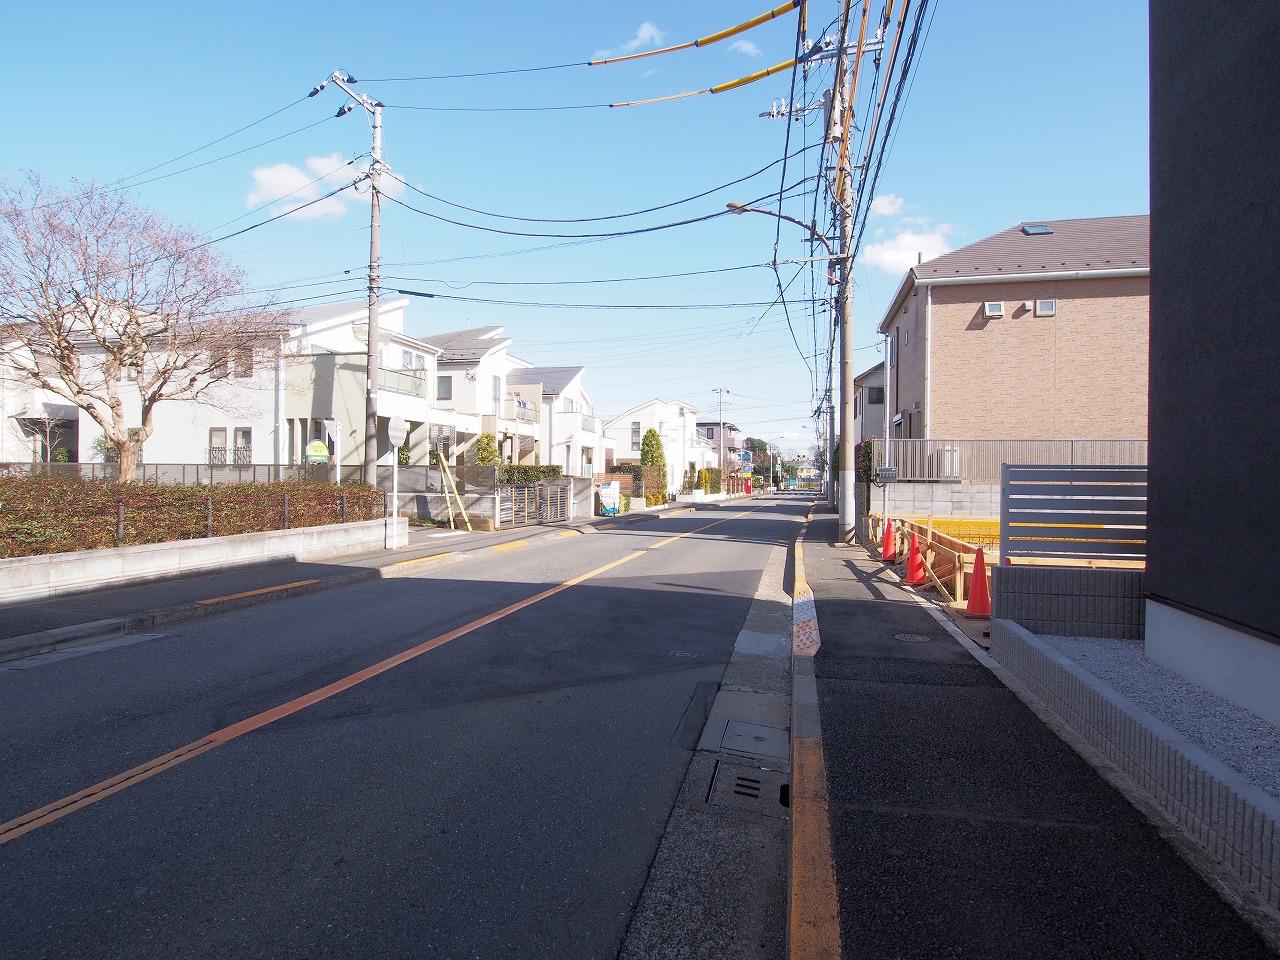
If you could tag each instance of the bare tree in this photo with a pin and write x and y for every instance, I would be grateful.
(100, 297)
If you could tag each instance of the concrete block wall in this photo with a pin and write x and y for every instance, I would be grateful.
(32, 578)
(1234, 822)
(1070, 602)
(939, 499)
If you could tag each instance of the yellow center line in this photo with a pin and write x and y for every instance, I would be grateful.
(258, 593)
(24, 824)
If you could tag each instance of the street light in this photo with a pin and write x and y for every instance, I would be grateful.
(847, 500)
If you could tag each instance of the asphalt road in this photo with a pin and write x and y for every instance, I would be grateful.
(498, 790)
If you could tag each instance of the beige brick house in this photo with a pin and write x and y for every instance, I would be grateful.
(1037, 332)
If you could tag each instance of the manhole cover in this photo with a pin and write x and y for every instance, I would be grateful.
(911, 637)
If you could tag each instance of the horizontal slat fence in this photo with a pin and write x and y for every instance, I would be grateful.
(1057, 511)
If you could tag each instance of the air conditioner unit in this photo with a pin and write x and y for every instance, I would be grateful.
(992, 309)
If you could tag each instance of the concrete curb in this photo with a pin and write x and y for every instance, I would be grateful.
(813, 928)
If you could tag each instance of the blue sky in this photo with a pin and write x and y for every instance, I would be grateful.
(1016, 111)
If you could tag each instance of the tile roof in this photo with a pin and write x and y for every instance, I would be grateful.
(467, 344)
(334, 311)
(554, 380)
(1099, 243)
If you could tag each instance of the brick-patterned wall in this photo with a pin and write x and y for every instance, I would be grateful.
(1079, 374)
(1235, 822)
(1070, 602)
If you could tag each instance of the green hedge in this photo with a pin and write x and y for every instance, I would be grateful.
(523, 474)
(53, 514)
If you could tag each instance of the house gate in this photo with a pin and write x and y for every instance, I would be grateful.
(521, 505)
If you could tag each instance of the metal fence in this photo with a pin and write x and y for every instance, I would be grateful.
(1076, 512)
(979, 461)
(192, 474)
(526, 504)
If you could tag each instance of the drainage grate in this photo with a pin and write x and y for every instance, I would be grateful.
(911, 637)
(758, 790)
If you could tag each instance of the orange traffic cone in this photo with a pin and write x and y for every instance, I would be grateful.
(979, 596)
(888, 548)
(915, 564)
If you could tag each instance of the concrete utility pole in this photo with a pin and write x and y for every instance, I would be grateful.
(848, 497)
(341, 79)
(721, 391)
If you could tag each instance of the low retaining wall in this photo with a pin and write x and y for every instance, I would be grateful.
(937, 499)
(1070, 602)
(1235, 822)
(33, 578)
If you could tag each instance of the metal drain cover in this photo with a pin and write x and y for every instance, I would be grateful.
(911, 637)
(756, 740)
(754, 789)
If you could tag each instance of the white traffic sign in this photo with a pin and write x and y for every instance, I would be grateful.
(397, 430)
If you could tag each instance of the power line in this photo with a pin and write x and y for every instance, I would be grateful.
(614, 216)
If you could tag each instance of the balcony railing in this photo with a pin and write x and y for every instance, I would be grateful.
(978, 461)
(221, 456)
(521, 411)
(412, 382)
(590, 424)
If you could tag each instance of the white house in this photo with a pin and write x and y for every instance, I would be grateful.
(570, 436)
(472, 383)
(687, 451)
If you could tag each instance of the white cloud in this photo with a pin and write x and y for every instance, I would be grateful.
(887, 205)
(287, 187)
(745, 47)
(902, 251)
(647, 35)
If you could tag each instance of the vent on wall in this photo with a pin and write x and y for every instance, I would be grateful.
(992, 309)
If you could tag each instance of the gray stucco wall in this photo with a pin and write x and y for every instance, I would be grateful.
(1215, 316)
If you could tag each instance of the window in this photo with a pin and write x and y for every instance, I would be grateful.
(419, 362)
(635, 434)
(244, 362)
(1046, 308)
(217, 445)
(406, 359)
(444, 388)
(243, 449)
(906, 336)
(497, 388)
(218, 365)
(875, 394)
(892, 348)
(992, 309)
(711, 433)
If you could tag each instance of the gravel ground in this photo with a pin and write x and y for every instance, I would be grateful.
(1240, 739)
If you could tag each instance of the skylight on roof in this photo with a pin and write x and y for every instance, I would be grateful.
(1036, 229)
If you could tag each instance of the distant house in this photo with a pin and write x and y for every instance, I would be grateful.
(1039, 331)
(570, 436)
(731, 446)
(324, 394)
(472, 381)
(685, 449)
(868, 403)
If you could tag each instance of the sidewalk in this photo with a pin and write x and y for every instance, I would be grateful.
(960, 824)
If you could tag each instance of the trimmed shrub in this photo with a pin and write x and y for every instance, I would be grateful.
(55, 514)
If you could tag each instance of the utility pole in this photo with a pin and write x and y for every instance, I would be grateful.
(721, 391)
(848, 498)
(341, 79)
